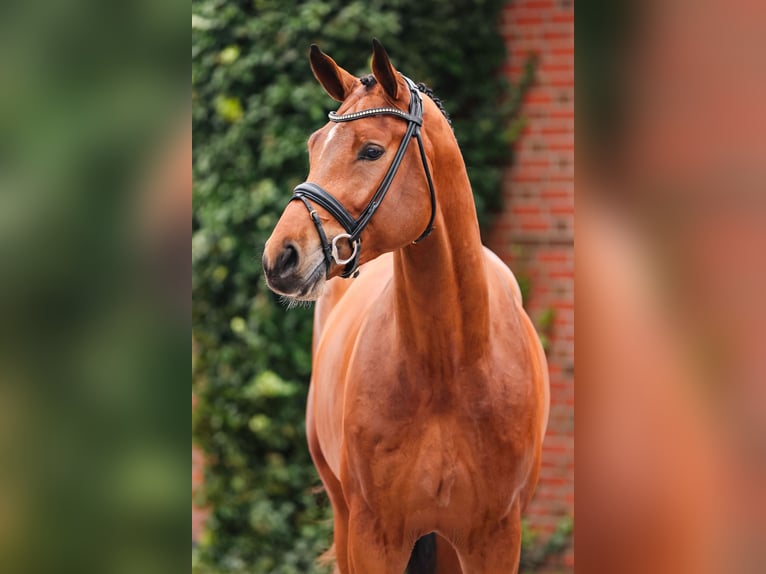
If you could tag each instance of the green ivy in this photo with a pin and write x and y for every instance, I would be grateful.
(254, 104)
(536, 552)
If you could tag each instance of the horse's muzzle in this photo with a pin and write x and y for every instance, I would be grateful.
(280, 271)
(288, 274)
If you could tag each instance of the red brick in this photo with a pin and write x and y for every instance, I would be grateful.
(551, 194)
(526, 210)
(552, 257)
(538, 97)
(531, 4)
(528, 20)
(558, 34)
(551, 67)
(563, 17)
(564, 50)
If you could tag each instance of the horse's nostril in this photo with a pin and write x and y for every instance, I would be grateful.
(288, 259)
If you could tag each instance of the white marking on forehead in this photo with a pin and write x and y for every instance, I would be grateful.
(329, 138)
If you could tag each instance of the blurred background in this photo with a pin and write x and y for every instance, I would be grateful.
(505, 73)
(95, 200)
(671, 246)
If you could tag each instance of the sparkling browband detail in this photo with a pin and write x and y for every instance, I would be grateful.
(372, 112)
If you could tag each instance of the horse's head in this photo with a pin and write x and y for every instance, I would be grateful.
(369, 188)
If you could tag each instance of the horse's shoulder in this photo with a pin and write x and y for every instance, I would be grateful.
(517, 335)
(333, 292)
(345, 301)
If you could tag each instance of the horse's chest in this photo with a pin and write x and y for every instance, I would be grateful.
(404, 404)
(378, 399)
(406, 450)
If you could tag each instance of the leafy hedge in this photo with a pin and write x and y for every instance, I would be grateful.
(255, 102)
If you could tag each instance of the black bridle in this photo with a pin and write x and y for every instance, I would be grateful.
(311, 191)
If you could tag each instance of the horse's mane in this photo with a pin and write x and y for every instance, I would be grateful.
(369, 81)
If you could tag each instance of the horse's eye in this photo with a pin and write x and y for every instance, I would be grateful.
(371, 152)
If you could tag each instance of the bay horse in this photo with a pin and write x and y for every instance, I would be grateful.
(429, 395)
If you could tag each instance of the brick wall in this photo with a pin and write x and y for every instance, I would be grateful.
(535, 232)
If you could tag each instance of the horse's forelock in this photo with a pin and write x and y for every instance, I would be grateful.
(369, 81)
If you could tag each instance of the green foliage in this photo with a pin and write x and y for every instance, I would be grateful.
(536, 553)
(544, 325)
(254, 104)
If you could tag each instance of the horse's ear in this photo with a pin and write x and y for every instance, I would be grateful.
(336, 81)
(383, 71)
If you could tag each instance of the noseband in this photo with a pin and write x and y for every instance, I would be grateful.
(310, 191)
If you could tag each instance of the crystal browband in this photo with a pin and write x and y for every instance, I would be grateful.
(334, 117)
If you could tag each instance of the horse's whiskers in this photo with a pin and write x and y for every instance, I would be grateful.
(293, 303)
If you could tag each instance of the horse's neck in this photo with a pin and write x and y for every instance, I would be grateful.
(441, 288)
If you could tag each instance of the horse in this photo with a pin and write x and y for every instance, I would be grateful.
(429, 398)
